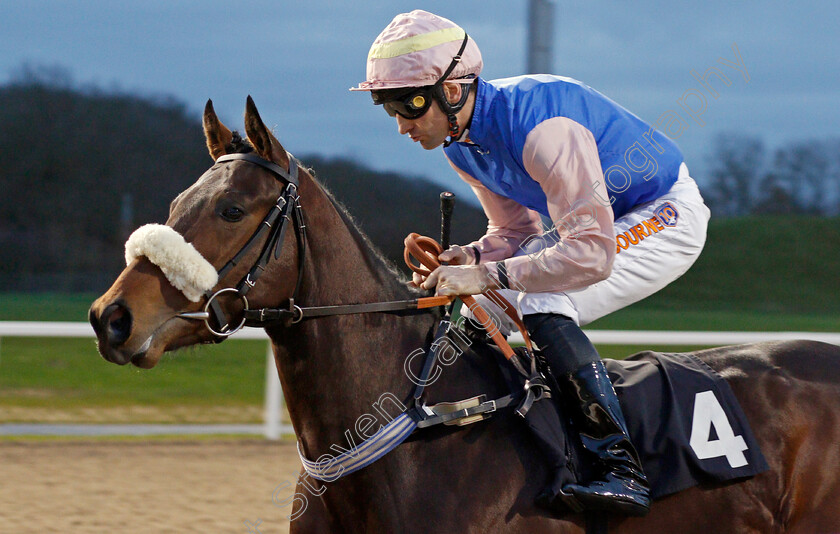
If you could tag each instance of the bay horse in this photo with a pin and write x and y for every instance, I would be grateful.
(481, 478)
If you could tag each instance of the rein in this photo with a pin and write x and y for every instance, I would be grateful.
(426, 251)
(286, 209)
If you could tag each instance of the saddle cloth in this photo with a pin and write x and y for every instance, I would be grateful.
(685, 422)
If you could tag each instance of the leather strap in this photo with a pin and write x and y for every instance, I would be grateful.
(262, 316)
(486, 408)
(290, 176)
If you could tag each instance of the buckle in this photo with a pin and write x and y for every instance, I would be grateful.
(297, 312)
(225, 331)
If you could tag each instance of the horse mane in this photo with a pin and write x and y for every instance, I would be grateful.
(375, 259)
(373, 256)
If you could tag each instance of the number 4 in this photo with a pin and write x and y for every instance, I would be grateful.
(709, 413)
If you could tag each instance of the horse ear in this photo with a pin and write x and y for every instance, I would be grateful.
(218, 136)
(266, 145)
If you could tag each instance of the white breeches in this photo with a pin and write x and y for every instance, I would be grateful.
(657, 242)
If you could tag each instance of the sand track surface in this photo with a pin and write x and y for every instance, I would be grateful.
(207, 486)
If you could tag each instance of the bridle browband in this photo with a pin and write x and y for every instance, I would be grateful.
(286, 209)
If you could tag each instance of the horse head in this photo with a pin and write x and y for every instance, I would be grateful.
(173, 269)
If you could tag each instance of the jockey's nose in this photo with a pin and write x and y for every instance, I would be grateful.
(114, 324)
(403, 125)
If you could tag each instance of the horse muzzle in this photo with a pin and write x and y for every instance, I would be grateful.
(121, 339)
(113, 328)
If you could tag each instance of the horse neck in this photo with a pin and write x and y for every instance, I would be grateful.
(335, 369)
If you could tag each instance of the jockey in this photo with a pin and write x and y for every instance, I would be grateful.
(626, 219)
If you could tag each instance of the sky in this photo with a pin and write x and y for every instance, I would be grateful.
(298, 59)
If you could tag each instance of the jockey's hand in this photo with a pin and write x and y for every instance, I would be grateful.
(454, 255)
(457, 255)
(459, 280)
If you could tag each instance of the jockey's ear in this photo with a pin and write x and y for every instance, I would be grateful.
(452, 92)
(218, 136)
(266, 145)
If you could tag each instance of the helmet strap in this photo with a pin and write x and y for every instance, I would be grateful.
(440, 95)
(452, 109)
(454, 130)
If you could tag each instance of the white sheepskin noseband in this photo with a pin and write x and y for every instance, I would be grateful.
(183, 265)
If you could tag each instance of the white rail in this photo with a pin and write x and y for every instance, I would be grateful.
(599, 337)
(274, 428)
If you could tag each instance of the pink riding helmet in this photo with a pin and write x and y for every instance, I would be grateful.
(415, 50)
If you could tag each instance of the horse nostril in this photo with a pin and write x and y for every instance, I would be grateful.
(94, 322)
(117, 322)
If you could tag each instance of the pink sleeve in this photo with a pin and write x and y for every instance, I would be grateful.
(508, 222)
(562, 156)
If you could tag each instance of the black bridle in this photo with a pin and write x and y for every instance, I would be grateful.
(286, 209)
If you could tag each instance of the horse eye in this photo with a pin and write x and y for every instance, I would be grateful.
(232, 214)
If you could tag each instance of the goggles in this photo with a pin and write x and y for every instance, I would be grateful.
(412, 104)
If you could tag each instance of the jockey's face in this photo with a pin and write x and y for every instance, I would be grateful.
(432, 128)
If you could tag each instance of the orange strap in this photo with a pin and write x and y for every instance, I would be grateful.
(426, 251)
(433, 302)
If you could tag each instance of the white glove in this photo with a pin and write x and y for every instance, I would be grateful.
(458, 255)
(455, 255)
(459, 280)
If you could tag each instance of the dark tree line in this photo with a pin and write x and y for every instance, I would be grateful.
(801, 177)
(71, 159)
(82, 167)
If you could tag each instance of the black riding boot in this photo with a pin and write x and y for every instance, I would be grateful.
(576, 365)
(623, 487)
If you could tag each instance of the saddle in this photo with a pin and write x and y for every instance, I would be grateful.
(682, 417)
